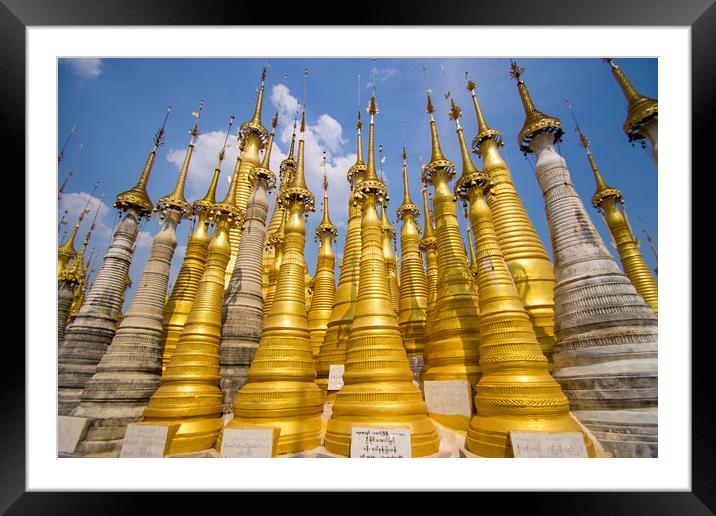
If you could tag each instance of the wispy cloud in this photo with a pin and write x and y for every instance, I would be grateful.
(85, 68)
(382, 75)
(326, 133)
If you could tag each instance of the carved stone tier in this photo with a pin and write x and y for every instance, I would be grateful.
(94, 326)
(242, 311)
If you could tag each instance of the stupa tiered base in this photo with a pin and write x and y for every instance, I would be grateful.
(423, 436)
(294, 407)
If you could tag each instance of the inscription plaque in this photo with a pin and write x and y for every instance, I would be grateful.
(380, 443)
(335, 377)
(249, 442)
(546, 444)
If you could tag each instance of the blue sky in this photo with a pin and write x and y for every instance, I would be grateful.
(118, 104)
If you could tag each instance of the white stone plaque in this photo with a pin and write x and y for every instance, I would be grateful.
(335, 377)
(249, 442)
(327, 410)
(70, 431)
(546, 444)
(449, 397)
(376, 443)
(147, 441)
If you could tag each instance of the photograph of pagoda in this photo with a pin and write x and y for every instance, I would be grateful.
(356, 257)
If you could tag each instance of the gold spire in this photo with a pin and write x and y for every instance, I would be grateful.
(407, 201)
(66, 251)
(413, 303)
(324, 287)
(298, 187)
(469, 171)
(326, 224)
(371, 174)
(263, 170)
(452, 334)
(436, 157)
(209, 199)
(484, 131)
(136, 197)
(359, 165)
(183, 293)
(254, 125)
(536, 122)
(526, 256)
(610, 204)
(175, 200)
(293, 141)
(640, 109)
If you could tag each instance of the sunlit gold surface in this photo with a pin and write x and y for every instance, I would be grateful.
(515, 391)
(324, 284)
(273, 236)
(389, 257)
(413, 283)
(281, 391)
(640, 110)
(189, 393)
(609, 202)
(378, 389)
(452, 349)
(526, 256)
(252, 138)
(66, 251)
(186, 285)
(335, 343)
(429, 246)
(536, 122)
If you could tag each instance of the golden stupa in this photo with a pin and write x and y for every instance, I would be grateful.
(281, 391)
(378, 388)
(516, 391)
(324, 285)
(453, 332)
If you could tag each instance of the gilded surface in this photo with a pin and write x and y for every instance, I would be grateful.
(324, 285)
(335, 343)
(452, 349)
(413, 283)
(526, 256)
(378, 386)
(281, 391)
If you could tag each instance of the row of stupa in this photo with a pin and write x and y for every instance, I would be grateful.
(569, 346)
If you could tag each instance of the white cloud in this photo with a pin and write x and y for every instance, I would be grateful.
(85, 68)
(326, 133)
(382, 75)
(74, 203)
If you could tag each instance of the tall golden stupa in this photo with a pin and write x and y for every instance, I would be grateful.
(452, 350)
(281, 391)
(324, 285)
(378, 390)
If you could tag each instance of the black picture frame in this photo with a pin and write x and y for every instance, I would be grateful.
(700, 15)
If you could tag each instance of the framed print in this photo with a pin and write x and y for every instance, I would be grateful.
(172, 100)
